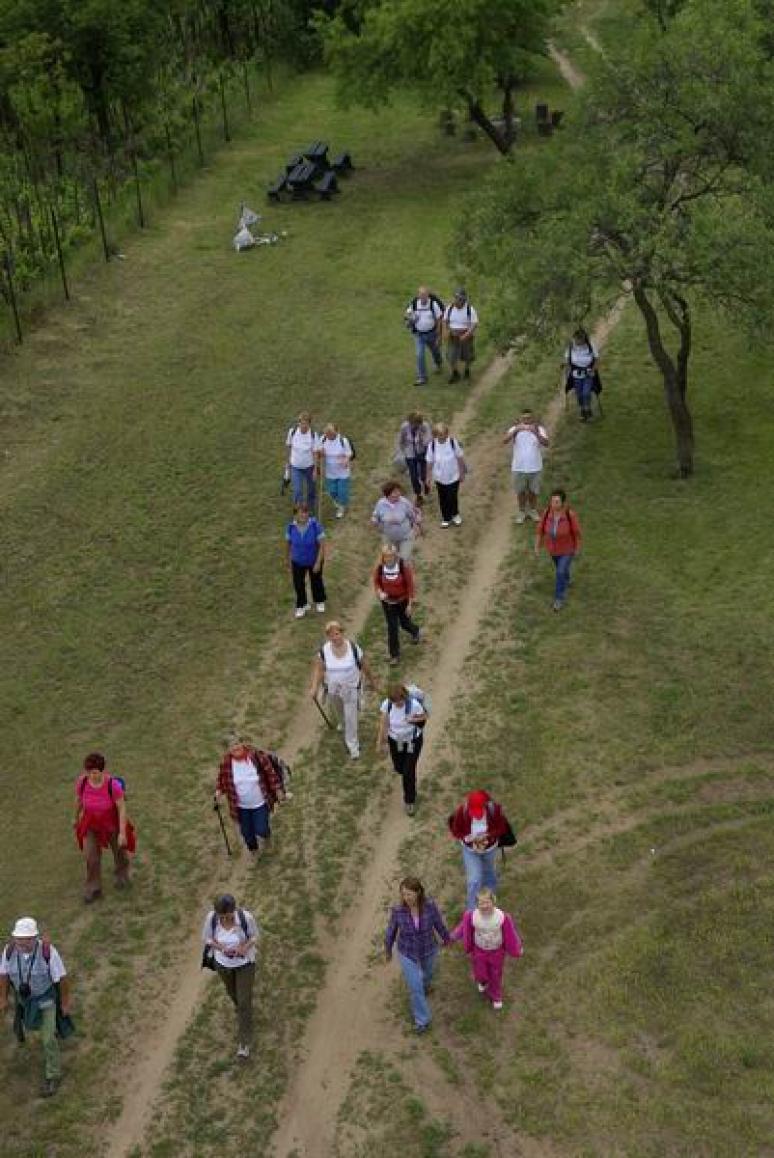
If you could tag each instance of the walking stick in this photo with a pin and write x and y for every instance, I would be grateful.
(324, 714)
(216, 806)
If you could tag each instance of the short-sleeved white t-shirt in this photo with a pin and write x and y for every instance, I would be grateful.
(457, 318)
(303, 447)
(527, 451)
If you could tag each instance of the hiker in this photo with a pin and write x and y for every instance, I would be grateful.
(339, 667)
(336, 453)
(395, 518)
(528, 438)
(253, 782)
(402, 718)
(417, 924)
(101, 822)
(445, 463)
(581, 361)
(305, 548)
(560, 530)
(424, 318)
(33, 969)
(488, 935)
(460, 323)
(303, 445)
(230, 936)
(393, 580)
(477, 824)
(414, 438)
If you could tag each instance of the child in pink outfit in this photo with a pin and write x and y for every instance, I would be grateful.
(488, 935)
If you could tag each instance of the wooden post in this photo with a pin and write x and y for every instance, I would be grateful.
(59, 254)
(100, 218)
(226, 133)
(195, 108)
(8, 267)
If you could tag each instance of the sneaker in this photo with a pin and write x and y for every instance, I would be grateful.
(533, 514)
(557, 605)
(497, 1005)
(521, 517)
(49, 1087)
(481, 986)
(444, 523)
(457, 520)
(454, 377)
(410, 809)
(243, 1051)
(300, 612)
(320, 607)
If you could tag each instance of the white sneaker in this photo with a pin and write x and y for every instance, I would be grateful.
(497, 1005)
(534, 515)
(321, 608)
(445, 524)
(457, 520)
(521, 517)
(243, 1051)
(300, 612)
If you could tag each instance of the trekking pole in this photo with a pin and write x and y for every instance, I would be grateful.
(216, 806)
(323, 713)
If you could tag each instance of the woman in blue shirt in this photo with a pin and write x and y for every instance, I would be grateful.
(305, 539)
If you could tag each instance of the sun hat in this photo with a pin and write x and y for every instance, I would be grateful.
(477, 802)
(25, 927)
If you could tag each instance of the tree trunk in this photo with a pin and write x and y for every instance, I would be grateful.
(479, 117)
(675, 377)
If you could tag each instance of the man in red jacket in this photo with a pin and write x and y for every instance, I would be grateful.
(560, 530)
(478, 824)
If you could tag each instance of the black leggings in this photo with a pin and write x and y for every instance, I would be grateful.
(397, 616)
(299, 582)
(448, 500)
(405, 764)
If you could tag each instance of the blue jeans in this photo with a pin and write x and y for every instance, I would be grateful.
(418, 975)
(338, 489)
(583, 386)
(562, 564)
(254, 823)
(424, 342)
(302, 478)
(480, 872)
(416, 469)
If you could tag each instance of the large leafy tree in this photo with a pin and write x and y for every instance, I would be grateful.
(662, 192)
(451, 53)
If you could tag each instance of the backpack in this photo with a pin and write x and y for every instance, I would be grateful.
(568, 513)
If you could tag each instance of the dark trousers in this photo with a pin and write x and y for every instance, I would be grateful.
(239, 987)
(299, 582)
(405, 764)
(448, 500)
(416, 469)
(254, 823)
(397, 616)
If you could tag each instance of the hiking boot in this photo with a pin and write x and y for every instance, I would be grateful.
(521, 517)
(49, 1087)
(454, 376)
(534, 515)
(457, 520)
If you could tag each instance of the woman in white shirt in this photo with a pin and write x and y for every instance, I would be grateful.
(401, 720)
(230, 936)
(446, 466)
(303, 446)
(336, 455)
(340, 666)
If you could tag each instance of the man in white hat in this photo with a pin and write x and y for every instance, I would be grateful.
(33, 968)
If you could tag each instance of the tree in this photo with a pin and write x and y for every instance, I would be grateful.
(451, 53)
(663, 192)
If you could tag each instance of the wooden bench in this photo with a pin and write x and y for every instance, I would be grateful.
(276, 188)
(326, 186)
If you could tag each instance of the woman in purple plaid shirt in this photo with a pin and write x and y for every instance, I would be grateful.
(416, 923)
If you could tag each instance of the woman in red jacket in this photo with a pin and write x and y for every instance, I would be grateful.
(478, 824)
(394, 585)
(560, 530)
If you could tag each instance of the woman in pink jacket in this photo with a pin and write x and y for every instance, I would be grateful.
(488, 935)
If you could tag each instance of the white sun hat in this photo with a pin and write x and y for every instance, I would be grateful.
(25, 927)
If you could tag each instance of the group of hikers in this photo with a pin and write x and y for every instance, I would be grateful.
(253, 782)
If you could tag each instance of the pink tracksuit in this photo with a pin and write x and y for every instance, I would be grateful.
(488, 963)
